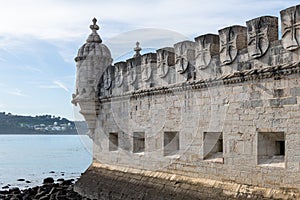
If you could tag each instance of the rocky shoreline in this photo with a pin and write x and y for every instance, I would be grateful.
(50, 190)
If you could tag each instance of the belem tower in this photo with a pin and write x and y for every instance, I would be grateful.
(219, 115)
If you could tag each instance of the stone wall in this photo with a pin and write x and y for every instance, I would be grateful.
(112, 182)
(223, 107)
(240, 111)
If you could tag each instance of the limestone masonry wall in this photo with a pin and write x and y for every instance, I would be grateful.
(223, 107)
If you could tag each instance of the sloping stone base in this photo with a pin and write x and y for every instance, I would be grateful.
(112, 182)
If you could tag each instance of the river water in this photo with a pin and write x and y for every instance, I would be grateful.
(35, 157)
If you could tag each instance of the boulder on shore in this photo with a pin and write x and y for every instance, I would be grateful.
(49, 190)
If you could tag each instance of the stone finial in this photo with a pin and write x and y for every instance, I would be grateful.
(94, 37)
(94, 27)
(137, 50)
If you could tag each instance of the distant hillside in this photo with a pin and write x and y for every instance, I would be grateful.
(44, 124)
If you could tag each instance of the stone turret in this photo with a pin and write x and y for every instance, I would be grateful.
(92, 60)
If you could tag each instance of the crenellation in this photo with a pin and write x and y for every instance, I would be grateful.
(221, 108)
(290, 27)
(184, 61)
(207, 56)
(166, 66)
(232, 40)
(121, 82)
(261, 32)
(134, 73)
(148, 70)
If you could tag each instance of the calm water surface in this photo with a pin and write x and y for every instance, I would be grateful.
(33, 157)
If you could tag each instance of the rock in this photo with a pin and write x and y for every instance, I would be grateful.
(27, 197)
(67, 182)
(5, 187)
(21, 179)
(60, 180)
(14, 190)
(48, 180)
(14, 198)
(40, 195)
(4, 192)
(51, 172)
(46, 197)
(53, 190)
(28, 181)
(50, 191)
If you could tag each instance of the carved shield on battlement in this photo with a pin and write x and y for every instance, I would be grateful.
(203, 57)
(131, 73)
(206, 47)
(118, 75)
(184, 55)
(232, 39)
(107, 78)
(228, 49)
(146, 66)
(290, 27)
(258, 42)
(165, 59)
(261, 31)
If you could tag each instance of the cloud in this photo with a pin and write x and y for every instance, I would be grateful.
(61, 85)
(55, 85)
(148, 38)
(17, 92)
(55, 19)
(33, 69)
(59, 22)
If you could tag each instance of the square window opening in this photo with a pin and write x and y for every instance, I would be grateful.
(271, 149)
(171, 143)
(213, 146)
(138, 142)
(113, 142)
(280, 148)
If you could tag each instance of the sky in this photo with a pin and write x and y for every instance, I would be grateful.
(39, 40)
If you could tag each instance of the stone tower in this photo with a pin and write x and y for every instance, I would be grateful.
(91, 61)
(203, 119)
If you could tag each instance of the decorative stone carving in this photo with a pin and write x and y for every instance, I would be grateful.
(165, 59)
(146, 66)
(131, 72)
(232, 39)
(290, 27)
(119, 73)
(184, 55)
(137, 50)
(107, 78)
(206, 47)
(91, 61)
(261, 31)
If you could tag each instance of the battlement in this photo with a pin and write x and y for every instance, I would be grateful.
(222, 110)
(236, 49)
